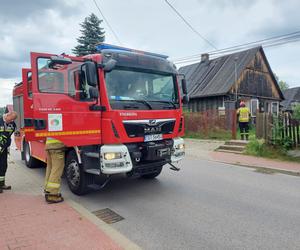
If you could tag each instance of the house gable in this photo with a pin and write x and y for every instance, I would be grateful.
(257, 79)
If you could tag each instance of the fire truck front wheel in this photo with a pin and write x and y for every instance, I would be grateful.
(76, 178)
(29, 160)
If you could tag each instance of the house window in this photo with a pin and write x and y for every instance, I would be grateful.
(275, 108)
(253, 107)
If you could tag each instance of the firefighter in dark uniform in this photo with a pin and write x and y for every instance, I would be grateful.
(244, 118)
(7, 128)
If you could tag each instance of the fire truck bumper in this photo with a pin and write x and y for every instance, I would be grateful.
(115, 159)
(178, 151)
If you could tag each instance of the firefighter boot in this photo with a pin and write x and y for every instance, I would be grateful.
(53, 198)
(5, 187)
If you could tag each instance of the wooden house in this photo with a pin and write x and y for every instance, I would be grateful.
(292, 97)
(221, 83)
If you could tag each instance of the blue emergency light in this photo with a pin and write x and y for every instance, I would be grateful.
(103, 46)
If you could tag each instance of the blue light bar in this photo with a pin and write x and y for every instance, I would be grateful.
(103, 46)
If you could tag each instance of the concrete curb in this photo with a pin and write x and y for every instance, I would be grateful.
(111, 232)
(264, 169)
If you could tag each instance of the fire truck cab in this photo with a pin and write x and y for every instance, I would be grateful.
(118, 111)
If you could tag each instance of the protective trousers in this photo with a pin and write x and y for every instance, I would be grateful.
(244, 130)
(3, 167)
(55, 167)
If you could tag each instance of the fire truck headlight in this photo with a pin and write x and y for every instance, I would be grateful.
(112, 156)
(180, 146)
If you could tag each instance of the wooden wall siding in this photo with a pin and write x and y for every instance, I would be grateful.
(256, 80)
(203, 104)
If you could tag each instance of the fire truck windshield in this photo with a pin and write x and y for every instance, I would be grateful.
(132, 89)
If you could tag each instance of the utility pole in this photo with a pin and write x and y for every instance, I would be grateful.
(235, 78)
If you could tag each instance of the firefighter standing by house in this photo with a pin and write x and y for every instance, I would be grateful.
(55, 165)
(243, 117)
(7, 127)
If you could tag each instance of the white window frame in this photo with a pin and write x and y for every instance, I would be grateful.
(251, 107)
(277, 110)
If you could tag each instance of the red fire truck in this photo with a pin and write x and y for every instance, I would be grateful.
(118, 111)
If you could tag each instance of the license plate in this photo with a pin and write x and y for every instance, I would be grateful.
(153, 137)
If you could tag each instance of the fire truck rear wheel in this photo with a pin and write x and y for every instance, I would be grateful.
(76, 178)
(154, 174)
(30, 161)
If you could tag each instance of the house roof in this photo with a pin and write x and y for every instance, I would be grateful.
(216, 77)
(291, 95)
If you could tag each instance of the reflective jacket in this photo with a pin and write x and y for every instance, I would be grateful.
(244, 114)
(6, 131)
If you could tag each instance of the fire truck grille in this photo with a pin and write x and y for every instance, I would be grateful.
(140, 130)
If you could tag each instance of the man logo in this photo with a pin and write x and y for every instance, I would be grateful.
(152, 122)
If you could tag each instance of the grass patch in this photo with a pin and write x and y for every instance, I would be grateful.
(261, 149)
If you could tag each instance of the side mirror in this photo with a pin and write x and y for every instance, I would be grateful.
(184, 87)
(109, 65)
(185, 99)
(93, 93)
(90, 71)
(58, 60)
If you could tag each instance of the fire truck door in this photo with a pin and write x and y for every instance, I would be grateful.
(28, 104)
(62, 101)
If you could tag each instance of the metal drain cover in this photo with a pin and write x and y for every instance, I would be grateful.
(108, 216)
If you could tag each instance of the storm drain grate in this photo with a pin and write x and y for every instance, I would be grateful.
(108, 216)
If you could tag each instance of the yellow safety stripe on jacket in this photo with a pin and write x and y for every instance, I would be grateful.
(6, 130)
(243, 114)
(53, 185)
(52, 140)
(2, 178)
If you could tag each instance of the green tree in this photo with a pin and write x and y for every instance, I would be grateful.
(296, 111)
(283, 85)
(91, 34)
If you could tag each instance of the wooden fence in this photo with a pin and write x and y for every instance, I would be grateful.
(207, 123)
(274, 128)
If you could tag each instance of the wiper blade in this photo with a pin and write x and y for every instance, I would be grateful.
(169, 102)
(140, 101)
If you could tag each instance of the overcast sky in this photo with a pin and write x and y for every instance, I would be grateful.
(53, 26)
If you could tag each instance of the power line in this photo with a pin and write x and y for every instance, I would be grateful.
(269, 42)
(246, 45)
(114, 33)
(189, 25)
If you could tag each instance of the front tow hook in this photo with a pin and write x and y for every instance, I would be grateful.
(174, 168)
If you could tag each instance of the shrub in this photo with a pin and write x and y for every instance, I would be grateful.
(296, 112)
(256, 147)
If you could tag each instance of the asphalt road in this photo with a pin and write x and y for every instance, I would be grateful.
(207, 205)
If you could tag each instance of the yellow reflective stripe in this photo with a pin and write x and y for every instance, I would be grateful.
(79, 132)
(2, 178)
(28, 129)
(52, 141)
(52, 185)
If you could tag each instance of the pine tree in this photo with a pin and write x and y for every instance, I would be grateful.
(91, 34)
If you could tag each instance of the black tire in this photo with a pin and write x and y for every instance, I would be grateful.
(30, 161)
(153, 175)
(76, 178)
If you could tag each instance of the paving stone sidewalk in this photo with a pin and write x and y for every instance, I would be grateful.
(205, 149)
(258, 162)
(28, 222)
